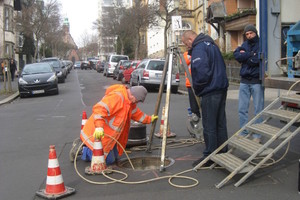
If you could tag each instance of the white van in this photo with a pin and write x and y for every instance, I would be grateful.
(112, 61)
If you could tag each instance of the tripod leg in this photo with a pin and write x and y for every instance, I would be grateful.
(167, 107)
(157, 106)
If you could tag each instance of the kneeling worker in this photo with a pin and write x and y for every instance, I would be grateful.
(111, 116)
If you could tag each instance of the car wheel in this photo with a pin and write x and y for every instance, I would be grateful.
(114, 77)
(57, 91)
(22, 96)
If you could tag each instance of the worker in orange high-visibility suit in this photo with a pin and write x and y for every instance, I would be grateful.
(193, 102)
(111, 116)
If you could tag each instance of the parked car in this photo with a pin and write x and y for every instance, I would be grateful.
(149, 74)
(85, 65)
(38, 78)
(58, 67)
(69, 65)
(118, 72)
(127, 72)
(112, 61)
(77, 65)
(100, 66)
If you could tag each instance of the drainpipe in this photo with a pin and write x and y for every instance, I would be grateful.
(263, 38)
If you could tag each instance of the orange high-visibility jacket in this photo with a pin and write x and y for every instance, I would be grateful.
(113, 113)
(187, 59)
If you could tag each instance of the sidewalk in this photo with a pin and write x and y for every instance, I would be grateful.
(8, 97)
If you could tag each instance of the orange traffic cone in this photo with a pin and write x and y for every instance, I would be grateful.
(55, 187)
(161, 128)
(84, 119)
(98, 164)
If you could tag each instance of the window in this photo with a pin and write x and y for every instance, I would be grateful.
(8, 17)
(9, 49)
(185, 26)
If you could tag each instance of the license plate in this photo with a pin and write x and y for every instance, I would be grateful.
(158, 75)
(38, 91)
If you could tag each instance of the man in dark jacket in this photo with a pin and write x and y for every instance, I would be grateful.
(250, 84)
(210, 82)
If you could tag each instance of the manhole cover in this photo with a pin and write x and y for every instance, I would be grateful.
(145, 163)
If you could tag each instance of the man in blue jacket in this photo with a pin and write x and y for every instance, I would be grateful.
(210, 82)
(250, 84)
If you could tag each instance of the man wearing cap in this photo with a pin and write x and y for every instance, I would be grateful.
(250, 84)
(111, 119)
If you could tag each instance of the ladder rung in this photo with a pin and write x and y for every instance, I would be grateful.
(248, 146)
(230, 162)
(294, 98)
(267, 130)
(281, 114)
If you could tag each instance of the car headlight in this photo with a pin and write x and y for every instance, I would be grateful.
(52, 78)
(59, 73)
(22, 81)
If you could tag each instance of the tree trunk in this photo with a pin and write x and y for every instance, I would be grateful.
(165, 40)
(137, 47)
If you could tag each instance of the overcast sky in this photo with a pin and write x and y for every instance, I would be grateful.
(81, 14)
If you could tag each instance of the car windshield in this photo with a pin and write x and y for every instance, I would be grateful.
(118, 58)
(37, 69)
(156, 65)
(53, 63)
(127, 64)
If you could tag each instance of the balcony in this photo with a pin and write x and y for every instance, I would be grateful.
(239, 20)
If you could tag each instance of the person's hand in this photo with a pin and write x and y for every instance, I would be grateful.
(153, 118)
(98, 133)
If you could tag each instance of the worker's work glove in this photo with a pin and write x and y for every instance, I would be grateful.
(98, 133)
(153, 118)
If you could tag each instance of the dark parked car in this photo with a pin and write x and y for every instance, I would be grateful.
(38, 78)
(127, 72)
(100, 66)
(59, 67)
(118, 72)
(85, 65)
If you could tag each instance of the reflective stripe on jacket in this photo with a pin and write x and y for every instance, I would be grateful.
(187, 59)
(113, 113)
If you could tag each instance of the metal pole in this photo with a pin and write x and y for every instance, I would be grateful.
(157, 106)
(167, 106)
(187, 71)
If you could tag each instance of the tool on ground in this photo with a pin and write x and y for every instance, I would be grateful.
(194, 125)
(98, 164)
(161, 128)
(55, 187)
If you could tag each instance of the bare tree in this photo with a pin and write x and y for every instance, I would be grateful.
(143, 17)
(39, 19)
(165, 13)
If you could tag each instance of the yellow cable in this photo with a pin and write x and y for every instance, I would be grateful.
(126, 175)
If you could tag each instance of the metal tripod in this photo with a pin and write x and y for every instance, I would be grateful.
(173, 54)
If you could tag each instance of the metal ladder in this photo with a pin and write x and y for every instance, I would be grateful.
(242, 152)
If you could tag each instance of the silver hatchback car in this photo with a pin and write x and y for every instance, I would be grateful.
(149, 74)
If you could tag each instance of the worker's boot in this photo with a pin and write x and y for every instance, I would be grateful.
(76, 144)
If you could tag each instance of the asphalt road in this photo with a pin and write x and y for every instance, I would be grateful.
(29, 126)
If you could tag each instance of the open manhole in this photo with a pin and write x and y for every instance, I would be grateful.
(145, 163)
